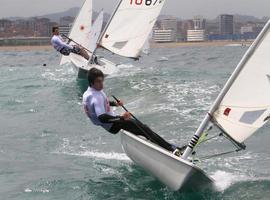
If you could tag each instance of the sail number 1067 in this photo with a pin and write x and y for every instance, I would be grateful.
(147, 2)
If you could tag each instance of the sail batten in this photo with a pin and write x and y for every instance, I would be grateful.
(130, 26)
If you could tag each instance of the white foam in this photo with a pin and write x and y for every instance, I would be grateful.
(125, 66)
(28, 190)
(100, 155)
(224, 180)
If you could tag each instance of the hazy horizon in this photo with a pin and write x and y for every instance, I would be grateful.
(206, 8)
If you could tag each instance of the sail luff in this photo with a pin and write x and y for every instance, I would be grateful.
(96, 30)
(225, 90)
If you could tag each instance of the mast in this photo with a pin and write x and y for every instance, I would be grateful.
(224, 91)
(107, 25)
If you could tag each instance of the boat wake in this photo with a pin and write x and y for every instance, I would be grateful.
(62, 74)
(223, 180)
(98, 155)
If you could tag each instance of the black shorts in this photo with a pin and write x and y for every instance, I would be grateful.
(66, 51)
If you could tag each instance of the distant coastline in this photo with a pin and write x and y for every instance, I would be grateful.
(153, 45)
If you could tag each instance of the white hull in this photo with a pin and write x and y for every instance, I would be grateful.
(171, 170)
(83, 66)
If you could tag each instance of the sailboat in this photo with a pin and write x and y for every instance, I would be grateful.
(87, 35)
(125, 34)
(240, 110)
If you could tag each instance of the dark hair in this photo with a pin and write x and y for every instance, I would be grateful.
(93, 74)
(54, 28)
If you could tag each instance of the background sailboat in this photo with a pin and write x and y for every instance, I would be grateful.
(242, 108)
(87, 35)
(125, 34)
(81, 29)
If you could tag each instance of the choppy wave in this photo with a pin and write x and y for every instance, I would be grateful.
(72, 159)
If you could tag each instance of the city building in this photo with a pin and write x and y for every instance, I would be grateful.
(246, 29)
(169, 24)
(66, 21)
(179, 33)
(5, 24)
(165, 30)
(5, 27)
(199, 23)
(212, 27)
(160, 35)
(196, 35)
(184, 26)
(226, 24)
(65, 29)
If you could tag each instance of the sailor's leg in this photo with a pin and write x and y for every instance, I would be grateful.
(127, 125)
(140, 129)
(84, 54)
(81, 52)
(65, 51)
(156, 138)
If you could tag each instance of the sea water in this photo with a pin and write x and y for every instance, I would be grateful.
(49, 150)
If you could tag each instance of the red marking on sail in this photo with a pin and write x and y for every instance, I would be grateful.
(82, 27)
(227, 112)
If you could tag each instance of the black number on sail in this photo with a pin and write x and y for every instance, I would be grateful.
(155, 2)
(147, 2)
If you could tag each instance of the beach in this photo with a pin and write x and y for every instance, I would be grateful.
(25, 48)
(200, 44)
(152, 44)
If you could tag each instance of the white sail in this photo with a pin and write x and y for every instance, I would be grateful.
(80, 31)
(246, 106)
(243, 105)
(130, 26)
(95, 32)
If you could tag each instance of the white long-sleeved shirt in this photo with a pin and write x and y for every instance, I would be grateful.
(96, 103)
(58, 43)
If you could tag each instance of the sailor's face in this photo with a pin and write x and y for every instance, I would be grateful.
(56, 32)
(99, 83)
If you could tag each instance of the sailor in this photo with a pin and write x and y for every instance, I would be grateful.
(65, 48)
(98, 109)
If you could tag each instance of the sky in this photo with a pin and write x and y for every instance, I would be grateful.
(180, 8)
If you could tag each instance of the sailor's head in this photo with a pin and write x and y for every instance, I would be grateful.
(55, 30)
(96, 79)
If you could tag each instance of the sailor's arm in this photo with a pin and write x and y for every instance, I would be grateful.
(113, 104)
(105, 118)
(102, 114)
(59, 42)
(116, 104)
